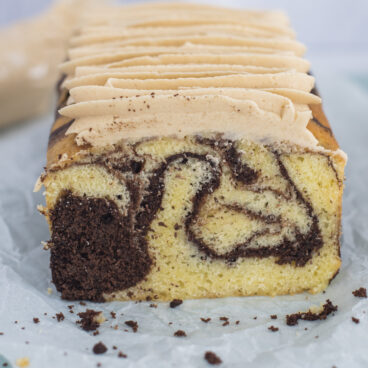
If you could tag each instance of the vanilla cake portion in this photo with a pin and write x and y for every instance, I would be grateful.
(190, 158)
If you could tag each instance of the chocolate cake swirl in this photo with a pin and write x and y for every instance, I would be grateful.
(190, 158)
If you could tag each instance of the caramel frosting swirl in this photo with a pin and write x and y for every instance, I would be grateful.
(169, 69)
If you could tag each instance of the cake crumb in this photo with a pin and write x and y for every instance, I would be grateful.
(60, 316)
(327, 309)
(205, 320)
(133, 325)
(152, 305)
(113, 315)
(99, 348)
(82, 303)
(36, 320)
(91, 319)
(273, 328)
(180, 333)
(122, 355)
(212, 358)
(49, 291)
(175, 303)
(360, 293)
(273, 316)
(22, 362)
(355, 320)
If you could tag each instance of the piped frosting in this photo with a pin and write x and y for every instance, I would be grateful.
(177, 69)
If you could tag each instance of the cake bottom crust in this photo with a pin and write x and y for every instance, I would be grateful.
(192, 218)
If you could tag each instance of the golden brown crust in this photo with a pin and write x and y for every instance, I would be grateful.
(321, 128)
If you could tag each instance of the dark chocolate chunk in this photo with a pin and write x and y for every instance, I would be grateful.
(36, 320)
(355, 320)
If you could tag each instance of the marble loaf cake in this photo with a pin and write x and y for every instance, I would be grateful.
(190, 158)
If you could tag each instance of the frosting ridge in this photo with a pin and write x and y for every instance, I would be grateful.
(141, 71)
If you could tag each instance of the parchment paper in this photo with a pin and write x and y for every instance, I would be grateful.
(25, 277)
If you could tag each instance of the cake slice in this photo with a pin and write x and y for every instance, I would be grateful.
(190, 158)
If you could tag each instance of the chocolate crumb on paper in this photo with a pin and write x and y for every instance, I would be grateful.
(360, 293)
(175, 303)
(212, 358)
(36, 320)
(122, 355)
(90, 320)
(60, 316)
(99, 348)
(273, 316)
(180, 333)
(273, 328)
(355, 320)
(205, 320)
(133, 325)
(327, 309)
(113, 315)
(152, 305)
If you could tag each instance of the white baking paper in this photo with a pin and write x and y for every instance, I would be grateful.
(25, 277)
